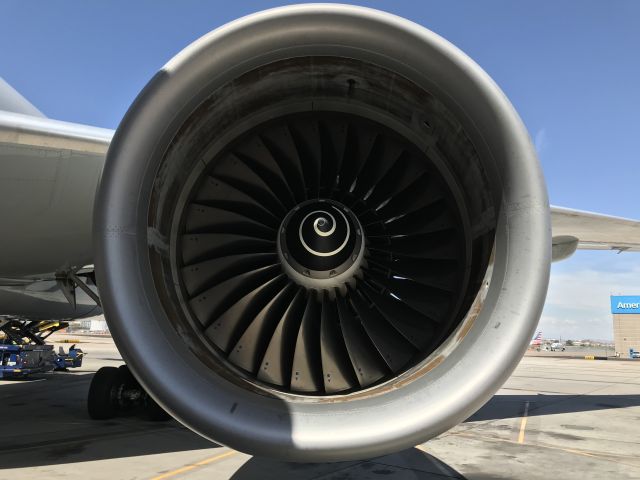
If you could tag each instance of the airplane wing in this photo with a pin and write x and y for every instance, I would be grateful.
(575, 229)
(49, 172)
(48, 177)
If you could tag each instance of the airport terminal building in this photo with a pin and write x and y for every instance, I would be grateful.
(626, 323)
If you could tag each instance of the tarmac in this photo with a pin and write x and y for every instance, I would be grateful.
(556, 417)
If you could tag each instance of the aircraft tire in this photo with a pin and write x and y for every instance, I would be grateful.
(126, 377)
(125, 381)
(100, 403)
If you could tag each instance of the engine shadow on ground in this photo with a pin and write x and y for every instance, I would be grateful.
(512, 406)
(46, 423)
(411, 463)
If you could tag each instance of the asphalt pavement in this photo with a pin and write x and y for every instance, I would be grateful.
(555, 417)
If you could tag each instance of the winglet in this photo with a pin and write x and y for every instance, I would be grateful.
(12, 101)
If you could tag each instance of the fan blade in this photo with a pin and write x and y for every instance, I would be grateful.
(359, 144)
(404, 172)
(278, 358)
(437, 245)
(201, 276)
(251, 346)
(212, 302)
(238, 174)
(432, 303)
(306, 371)
(202, 246)
(215, 192)
(382, 158)
(366, 361)
(306, 137)
(395, 350)
(433, 218)
(258, 157)
(420, 193)
(441, 274)
(337, 372)
(204, 219)
(229, 325)
(413, 326)
(332, 138)
(283, 150)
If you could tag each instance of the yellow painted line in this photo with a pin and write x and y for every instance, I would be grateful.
(523, 423)
(193, 466)
(580, 452)
(207, 461)
(423, 448)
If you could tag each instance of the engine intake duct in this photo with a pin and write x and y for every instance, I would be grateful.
(328, 248)
(326, 225)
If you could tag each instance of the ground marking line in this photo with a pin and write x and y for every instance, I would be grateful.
(523, 423)
(193, 466)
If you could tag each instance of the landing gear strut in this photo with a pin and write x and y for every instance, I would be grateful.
(115, 391)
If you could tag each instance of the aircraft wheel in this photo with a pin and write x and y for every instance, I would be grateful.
(128, 391)
(126, 377)
(101, 402)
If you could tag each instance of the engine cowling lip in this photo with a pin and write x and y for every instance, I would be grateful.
(121, 213)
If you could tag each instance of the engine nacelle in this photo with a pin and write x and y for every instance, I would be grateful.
(322, 234)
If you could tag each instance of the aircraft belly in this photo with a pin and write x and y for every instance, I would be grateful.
(43, 300)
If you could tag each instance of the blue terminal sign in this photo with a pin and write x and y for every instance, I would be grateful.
(625, 304)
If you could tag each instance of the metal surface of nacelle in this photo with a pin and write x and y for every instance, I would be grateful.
(322, 233)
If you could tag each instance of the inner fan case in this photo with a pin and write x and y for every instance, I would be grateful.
(330, 225)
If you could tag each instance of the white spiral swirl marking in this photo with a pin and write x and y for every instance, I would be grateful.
(324, 234)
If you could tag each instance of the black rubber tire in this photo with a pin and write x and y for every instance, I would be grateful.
(126, 381)
(126, 377)
(153, 411)
(100, 403)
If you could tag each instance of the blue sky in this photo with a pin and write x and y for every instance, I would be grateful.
(572, 70)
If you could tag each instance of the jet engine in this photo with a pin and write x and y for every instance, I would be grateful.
(322, 233)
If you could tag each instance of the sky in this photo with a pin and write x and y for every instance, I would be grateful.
(571, 69)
